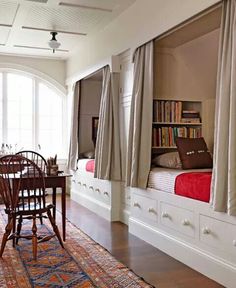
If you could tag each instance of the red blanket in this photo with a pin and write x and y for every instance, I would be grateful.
(90, 166)
(194, 185)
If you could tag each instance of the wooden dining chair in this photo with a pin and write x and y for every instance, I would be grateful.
(34, 156)
(39, 160)
(15, 185)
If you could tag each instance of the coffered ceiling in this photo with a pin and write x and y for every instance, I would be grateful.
(25, 25)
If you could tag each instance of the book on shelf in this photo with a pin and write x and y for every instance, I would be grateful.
(190, 114)
(191, 120)
(167, 111)
(165, 136)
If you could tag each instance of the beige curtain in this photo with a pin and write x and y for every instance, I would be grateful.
(140, 129)
(73, 148)
(107, 152)
(224, 172)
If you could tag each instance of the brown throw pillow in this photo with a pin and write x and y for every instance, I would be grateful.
(168, 160)
(193, 153)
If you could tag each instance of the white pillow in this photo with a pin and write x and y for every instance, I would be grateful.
(168, 160)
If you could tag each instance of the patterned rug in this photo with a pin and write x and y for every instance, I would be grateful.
(83, 263)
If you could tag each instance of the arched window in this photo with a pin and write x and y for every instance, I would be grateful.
(32, 115)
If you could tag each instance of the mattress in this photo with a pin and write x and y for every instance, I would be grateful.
(164, 179)
(83, 164)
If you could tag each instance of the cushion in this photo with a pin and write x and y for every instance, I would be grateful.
(168, 160)
(193, 153)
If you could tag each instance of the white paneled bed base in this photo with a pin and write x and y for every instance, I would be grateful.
(100, 196)
(187, 230)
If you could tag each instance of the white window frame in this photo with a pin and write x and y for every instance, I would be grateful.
(35, 112)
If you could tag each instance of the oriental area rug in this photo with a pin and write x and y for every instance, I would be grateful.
(83, 263)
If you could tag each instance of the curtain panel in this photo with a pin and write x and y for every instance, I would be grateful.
(140, 129)
(223, 197)
(107, 151)
(73, 148)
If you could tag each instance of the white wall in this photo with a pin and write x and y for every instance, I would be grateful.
(54, 69)
(188, 72)
(89, 107)
(144, 20)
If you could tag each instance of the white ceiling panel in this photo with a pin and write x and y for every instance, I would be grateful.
(8, 12)
(4, 33)
(63, 18)
(29, 23)
(106, 4)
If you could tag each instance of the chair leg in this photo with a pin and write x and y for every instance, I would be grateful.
(54, 226)
(14, 231)
(19, 225)
(41, 218)
(34, 238)
(6, 234)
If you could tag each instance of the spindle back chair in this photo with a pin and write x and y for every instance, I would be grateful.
(23, 193)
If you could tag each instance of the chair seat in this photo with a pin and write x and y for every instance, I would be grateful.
(29, 209)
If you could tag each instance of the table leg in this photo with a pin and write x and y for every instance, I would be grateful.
(63, 209)
(54, 194)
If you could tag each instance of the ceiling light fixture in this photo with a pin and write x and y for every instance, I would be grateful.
(53, 43)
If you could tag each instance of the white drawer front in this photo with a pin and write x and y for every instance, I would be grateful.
(143, 207)
(125, 196)
(218, 234)
(94, 188)
(179, 219)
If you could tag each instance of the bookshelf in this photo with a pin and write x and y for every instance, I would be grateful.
(175, 118)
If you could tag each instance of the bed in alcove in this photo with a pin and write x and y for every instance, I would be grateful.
(185, 70)
(98, 195)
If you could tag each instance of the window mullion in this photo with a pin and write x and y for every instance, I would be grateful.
(4, 108)
(35, 114)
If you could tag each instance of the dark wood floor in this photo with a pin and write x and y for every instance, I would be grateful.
(154, 266)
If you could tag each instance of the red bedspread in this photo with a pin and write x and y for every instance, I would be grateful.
(194, 185)
(90, 166)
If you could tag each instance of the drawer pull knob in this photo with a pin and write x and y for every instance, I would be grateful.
(91, 187)
(234, 243)
(79, 182)
(206, 231)
(152, 210)
(85, 185)
(136, 204)
(106, 193)
(186, 222)
(165, 215)
(73, 181)
(97, 190)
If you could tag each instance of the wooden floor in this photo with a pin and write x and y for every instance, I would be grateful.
(154, 266)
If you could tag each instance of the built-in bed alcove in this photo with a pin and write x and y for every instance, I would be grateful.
(185, 67)
(100, 196)
(185, 70)
(90, 97)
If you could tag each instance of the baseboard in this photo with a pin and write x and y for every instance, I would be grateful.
(124, 216)
(212, 267)
(92, 204)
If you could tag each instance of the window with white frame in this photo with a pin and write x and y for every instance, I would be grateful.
(32, 115)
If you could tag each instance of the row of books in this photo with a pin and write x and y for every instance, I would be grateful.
(165, 136)
(172, 112)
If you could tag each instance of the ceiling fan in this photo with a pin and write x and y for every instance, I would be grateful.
(53, 43)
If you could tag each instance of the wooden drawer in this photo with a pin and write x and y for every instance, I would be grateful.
(143, 207)
(218, 234)
(179, 219)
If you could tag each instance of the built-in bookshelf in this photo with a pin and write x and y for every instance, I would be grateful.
(173, 118)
